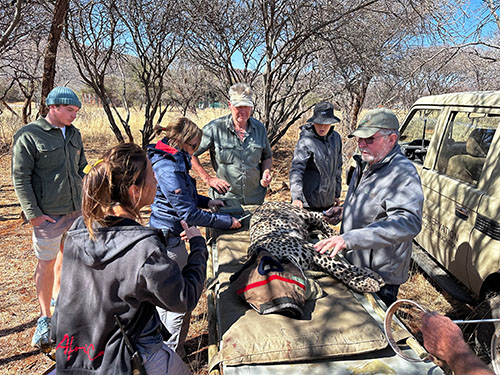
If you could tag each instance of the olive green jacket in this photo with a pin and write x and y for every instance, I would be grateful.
(47, 169)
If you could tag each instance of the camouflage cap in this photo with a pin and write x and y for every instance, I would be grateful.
(240, 95)
(373, 121)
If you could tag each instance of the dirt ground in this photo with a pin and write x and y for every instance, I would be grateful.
(19, 306)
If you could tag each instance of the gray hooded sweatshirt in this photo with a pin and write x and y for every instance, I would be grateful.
(125, 271)
(382, 215)
(316, 172)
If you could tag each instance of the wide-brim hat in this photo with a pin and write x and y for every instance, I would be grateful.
(373, 121)
(323, 114)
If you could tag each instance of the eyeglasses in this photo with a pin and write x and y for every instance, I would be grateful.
(369, 140)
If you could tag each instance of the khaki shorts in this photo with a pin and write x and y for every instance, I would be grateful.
(47, 236)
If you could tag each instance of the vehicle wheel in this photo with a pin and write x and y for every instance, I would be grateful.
(478, 336)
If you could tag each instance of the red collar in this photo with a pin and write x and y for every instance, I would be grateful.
(160, 145)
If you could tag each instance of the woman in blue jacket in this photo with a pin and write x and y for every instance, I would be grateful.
(177, 199)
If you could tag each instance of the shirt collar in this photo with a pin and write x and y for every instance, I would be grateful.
(230, 125)
(47, 126)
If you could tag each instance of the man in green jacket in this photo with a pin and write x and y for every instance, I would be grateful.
(47, 171)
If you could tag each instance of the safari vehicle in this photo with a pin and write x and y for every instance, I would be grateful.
(453, 141)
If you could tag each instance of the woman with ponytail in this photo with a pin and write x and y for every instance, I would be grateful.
(177, 199)
(116, 270)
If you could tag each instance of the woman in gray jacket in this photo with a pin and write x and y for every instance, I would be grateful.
(315, 175)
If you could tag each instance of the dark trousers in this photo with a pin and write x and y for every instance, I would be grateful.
(388, 294)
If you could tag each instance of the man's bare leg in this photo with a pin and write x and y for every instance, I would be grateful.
(57, 274)
(44, 280)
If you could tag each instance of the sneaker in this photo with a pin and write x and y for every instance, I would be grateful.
(41, 338)
(52, 305)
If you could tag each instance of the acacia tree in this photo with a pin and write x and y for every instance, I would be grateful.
(49, 63)
(371, 45)
(14, 17)
(27, 73)
(154, 37)
(22, 26)
(93, 32)
(226, 41)
(188, 84)
(272, 40)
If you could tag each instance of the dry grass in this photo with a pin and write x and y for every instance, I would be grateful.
(95, 130)
(18, 303)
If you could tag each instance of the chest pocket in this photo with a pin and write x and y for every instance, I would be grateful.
(254, 154)
(75, 149)
(226, 154)
(367, 203)
(49, 154)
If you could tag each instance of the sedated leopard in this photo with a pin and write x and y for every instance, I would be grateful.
(282, 228)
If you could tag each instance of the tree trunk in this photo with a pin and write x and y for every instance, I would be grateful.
(49, 65)
(114, 128)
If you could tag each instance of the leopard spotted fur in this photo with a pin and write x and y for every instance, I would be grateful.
(282, 228)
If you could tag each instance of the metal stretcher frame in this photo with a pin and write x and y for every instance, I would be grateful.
(383, 361)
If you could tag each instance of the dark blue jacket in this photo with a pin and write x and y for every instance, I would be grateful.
(176, 195)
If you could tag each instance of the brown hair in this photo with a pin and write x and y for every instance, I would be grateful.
(179, 131)
(108, 183)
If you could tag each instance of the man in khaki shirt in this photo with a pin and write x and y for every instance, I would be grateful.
(239, 151)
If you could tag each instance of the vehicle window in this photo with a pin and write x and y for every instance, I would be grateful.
(416, 135)
(465, 145)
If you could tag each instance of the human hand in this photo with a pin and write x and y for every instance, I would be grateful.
(40, 220)
(189, 232)
(221, 186)
(334, 243)
(214, 204)
(442, 337)
(235, 223)
(333, 215)
(336, 202)
(266, 178)
(298, 203)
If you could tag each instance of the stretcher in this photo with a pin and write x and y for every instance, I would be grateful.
(340, 333)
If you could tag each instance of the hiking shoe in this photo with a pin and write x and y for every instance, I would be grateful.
(41, 338)
(52, 305)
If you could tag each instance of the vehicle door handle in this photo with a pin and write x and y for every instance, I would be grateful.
(462, 212)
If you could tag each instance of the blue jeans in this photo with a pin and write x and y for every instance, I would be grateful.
(388, 294)
(177, 324)
(163, 362)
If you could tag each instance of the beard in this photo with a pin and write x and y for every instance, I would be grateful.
(366, 156)
(371, 157)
